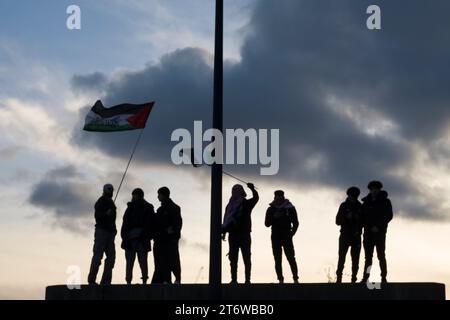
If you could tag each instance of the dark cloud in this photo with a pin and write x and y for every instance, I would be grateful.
(67, 196)
(64, 198)
(91, 82)
(348, 101)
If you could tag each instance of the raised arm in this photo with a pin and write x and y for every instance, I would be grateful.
(255, 196)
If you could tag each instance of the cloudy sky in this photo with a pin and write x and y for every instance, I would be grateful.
(351, 104)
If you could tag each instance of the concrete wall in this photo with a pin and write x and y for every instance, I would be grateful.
(307, 291)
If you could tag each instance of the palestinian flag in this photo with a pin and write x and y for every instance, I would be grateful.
(118, 118)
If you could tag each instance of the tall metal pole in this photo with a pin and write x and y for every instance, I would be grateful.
(215, 247)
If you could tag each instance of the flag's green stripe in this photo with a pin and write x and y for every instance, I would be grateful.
(106, 128)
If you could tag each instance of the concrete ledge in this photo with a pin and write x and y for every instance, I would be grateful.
(305, 291)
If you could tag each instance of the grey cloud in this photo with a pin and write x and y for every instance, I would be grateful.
(93, 82)
(296, 56)
(64, 198)
(67, 196)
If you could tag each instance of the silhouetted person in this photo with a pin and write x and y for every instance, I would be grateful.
(377, 212)
(282, 217)
(167, 236)
(105, 232)
(238, 224)
(136, 233)
(349, 217)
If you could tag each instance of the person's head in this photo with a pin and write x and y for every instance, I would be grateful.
(238, 191)
(137, 194)
(353, 193)
(108, 190)
(279, 195)
(163, 194)
(375, 187)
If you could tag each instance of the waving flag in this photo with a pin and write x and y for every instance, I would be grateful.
(117, 118)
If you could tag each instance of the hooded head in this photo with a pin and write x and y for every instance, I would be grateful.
(108, 190)
(238, 192)
(137, 194)
(278, 196)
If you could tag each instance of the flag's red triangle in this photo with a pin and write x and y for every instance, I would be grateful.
(139, 120)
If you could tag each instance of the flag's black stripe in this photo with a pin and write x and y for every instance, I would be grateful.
(125, 108)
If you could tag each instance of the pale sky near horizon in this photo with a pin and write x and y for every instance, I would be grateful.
(394, 119)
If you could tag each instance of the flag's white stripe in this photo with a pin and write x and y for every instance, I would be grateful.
(119, 120)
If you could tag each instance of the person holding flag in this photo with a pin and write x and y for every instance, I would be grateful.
(237, 223)
(105, 233)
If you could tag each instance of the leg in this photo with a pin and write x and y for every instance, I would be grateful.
(157, 274)
(142, 255)
(162, 268)
(246, 255)
(381, 248)
(355, 253)
(110, 260)
(277, 255)
(368, 253)
(175, 261)
(98, 249)
(130, 256)
(290, 256)
(343, 248)
(233, 256)
(165, 263)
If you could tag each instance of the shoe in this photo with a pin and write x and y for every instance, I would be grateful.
(354, 279)
(177, 282)
(383, 280)
(247, 282)
(280, 281)
(296, 281)
(339, 280)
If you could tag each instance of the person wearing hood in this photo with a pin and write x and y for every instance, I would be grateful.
(237, 223)
(282, 217)
(349, 217)
(137, 232)
(105, 233)
(168, 233)
(377, 213)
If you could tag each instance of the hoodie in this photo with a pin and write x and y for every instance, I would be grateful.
(377, 212)
(138, 223)
(349, 217)
(282, 217)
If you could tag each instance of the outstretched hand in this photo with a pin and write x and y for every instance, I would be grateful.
(251, 186)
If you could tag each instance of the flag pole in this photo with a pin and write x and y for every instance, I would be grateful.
(129, 161)
(215, 246)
